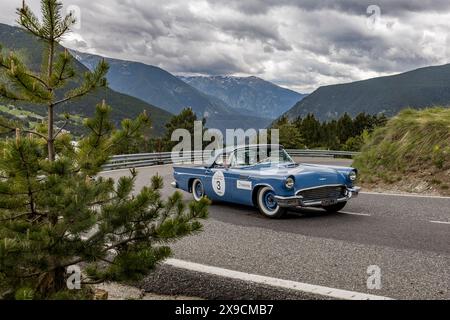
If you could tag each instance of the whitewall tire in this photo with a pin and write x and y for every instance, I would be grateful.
(267, 204)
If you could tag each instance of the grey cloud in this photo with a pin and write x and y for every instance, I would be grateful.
(249, 30)
(298, 44)
(389, 7)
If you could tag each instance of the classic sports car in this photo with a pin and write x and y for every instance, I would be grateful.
(266, 176)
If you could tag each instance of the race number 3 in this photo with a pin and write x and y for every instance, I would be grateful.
(218, 183)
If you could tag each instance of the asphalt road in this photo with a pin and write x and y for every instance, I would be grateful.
(408, 237)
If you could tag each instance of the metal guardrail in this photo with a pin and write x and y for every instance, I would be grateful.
(151, 159)
(147, 159)
(321, 153)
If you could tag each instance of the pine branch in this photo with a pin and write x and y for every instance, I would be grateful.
(39, 215)
(61, 129)
(29, 21)
(71, 97)
(4, 92)
(64, 26)
(100, 133)
(125, 241)
(31, 196)
(15, 217)
(35, 133)
(13, 128)
(30, 89)
(7, 67)
(130, 131)
(34, 87)
(100, 127)
(62, 70)
(92, 282)
(65, 265)
(6, 125)
(92, 80)
(38, 79)
(50, 14)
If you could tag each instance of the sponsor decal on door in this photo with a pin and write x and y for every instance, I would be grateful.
(244, 185)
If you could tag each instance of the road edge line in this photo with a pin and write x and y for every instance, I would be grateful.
(439, 222)
(274, 282)
(356, 214)
(411, 195)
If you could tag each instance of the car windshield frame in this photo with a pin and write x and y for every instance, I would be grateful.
(282, 158)
(222, 164)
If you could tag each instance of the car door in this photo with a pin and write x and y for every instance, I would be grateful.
(237, 178)
(215, 183)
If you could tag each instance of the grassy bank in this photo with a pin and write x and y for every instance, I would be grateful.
(411, 153)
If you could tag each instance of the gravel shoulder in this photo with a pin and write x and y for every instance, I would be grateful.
(117, 291)
(171, 281)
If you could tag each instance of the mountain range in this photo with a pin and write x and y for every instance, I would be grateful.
(230, 102)
(154, 85)
(123, 106)
(247, 94)
(134, 87)
(226, 102)
(424, 87)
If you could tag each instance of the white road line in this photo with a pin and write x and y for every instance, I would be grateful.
(356, 213)
(286, 284)
(412, 195)
(343, 212)
(440, 222)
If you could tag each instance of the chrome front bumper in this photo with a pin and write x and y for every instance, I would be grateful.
(174, 185)
(298, 201)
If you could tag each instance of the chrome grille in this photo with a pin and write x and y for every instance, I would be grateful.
(323, 193)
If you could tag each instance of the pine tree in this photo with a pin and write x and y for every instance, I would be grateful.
(289, 134)
(39, 87)
(56, 210)
(362, 122)
(329, 138)
(310, 130)
(184, 120)
(345, 128)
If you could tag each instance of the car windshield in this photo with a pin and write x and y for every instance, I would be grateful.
(252, 156)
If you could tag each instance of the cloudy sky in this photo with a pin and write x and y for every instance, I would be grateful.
(299, 44)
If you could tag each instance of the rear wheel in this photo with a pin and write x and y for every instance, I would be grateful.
(268, 205)
(336, 207)
(197, 190)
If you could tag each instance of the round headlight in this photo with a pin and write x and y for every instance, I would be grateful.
(290, 183)
(352, 176)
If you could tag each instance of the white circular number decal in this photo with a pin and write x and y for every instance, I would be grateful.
(218, 183)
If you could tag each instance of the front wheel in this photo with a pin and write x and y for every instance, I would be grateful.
(268, 205)
(336, 207)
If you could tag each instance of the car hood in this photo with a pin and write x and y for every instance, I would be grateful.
(307, 175)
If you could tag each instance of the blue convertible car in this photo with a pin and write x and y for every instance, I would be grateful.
(266, 176)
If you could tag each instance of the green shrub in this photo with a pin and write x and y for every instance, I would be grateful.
(414, 140)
